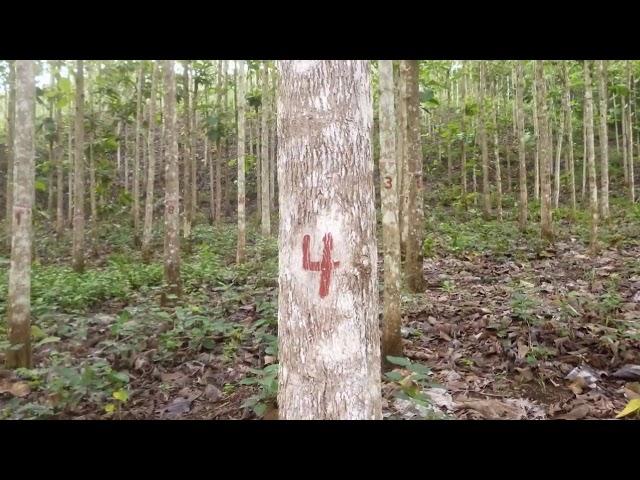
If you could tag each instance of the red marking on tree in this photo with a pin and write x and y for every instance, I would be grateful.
(387, 182)
(325, 266)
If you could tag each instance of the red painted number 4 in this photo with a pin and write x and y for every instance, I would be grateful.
(325, 266)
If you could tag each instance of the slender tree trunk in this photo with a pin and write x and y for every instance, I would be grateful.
(604, 140)
(415, 213)
(125, 158)
(266, 201)
(536, 135)
(58, 152)
(329, 338)
(546, 226)
(240, 254)
(569, 127)
(482, 137)
(11, 128)
(391, 317)
(172, 187)
(591, 158)
(615, 124)
(272, 143)
(70, 178)
(139, 138)
(584, 156)
(186, 154)
(92, 168)
(496, 149)
(401, 125)
(219, 143)
(19, 303)
(625, 161)
(151, 169)
(194, 154)
(630, 83)
(558, 152)
(519, 100)
(78, 189)
(463, 140)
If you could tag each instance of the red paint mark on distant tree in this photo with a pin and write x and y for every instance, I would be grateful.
(325, 266)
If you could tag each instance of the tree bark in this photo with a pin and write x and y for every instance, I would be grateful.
(519, 97)
(264, 155)
(546, 227)
(19, 303)
(630, 83)
(482, 137)
(496, 149)
(604, 140)
(11, 129)
(536, 135)
(139, 138)
(172, 187)
(241, 106)
(151, 169)
(186, 155)
(329, 339)
(401, 125)
(591, 158)
(78, 176)
(415, 213)
(391, 317)
(58, 152)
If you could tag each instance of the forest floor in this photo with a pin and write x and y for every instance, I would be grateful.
(508, 327)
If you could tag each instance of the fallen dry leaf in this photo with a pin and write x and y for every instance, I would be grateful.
(577, 413)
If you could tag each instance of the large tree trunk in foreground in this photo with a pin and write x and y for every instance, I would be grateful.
(19, 295)
(328, 331)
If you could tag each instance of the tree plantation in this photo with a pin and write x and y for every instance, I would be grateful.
(349, 239)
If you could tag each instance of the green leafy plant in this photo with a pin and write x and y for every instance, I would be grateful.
(267, 381)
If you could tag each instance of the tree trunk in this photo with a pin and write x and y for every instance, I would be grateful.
(482, 137)
(58, 152)
(241, 106)
(78, 176)
(615, 124)
(391, 317)
(272, 143)
(172, 187)
(266, 201)
(591, 158)
(329, 339)
(11, 129)
(139, 138)
(546, 227)
(186, 155)
(556, 165)
(536, 135)
(519, 98)
(463, 140)
(19, 294)
(194, 155)
(151, 169)
(219, 143)
(584, 155)
(569, 127)
(70, 177)
(125, 158)
(401, 125)
(604, 140)
(496, 149)
(630, 83)
(623, 121)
